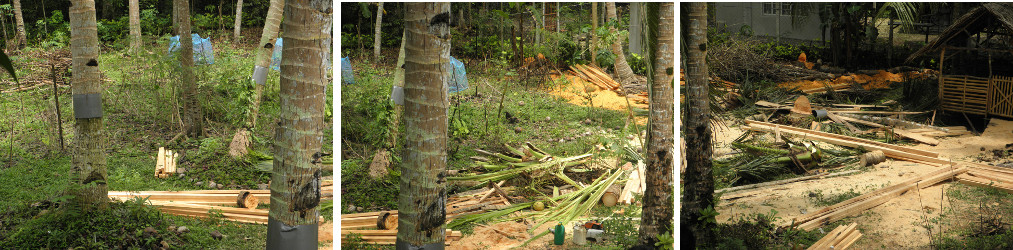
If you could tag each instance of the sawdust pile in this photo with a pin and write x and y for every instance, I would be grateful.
(575, 92)
(510, 234)
(881, 80)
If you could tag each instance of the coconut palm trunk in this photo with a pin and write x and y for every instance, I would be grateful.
(376, 32)
(594, 31)
(193, 120)
(422, 200)
(295, 183)
(20, 22)
(659, 197)
(623, 69)
(241, 140)
(88, 160)
(698, 181)
(239, 21)
(135, 26)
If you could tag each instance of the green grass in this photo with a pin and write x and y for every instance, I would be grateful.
(979, 218)
(140, 115)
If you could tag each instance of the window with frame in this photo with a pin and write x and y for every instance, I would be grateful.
(785, 9)
(769, 9)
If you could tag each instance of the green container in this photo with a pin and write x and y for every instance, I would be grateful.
(560, 234)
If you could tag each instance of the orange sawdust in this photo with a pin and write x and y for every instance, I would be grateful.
(575, 92)
(881, 80)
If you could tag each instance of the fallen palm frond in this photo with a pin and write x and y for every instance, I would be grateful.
(529, 159)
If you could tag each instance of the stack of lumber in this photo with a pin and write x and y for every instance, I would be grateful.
(821, 89)
(165, 163)
(389, 237)
(981, 176)
(595, 76)
(635, 185)
(380, 227)
(199, 203)
(840, 238)
(892, 151)
(455, 208)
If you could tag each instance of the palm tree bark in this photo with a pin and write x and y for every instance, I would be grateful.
(241, 140)
(698, 181)
(623, 69)
(239, 21)
(594, 36)
(422, 201)
(135, 26)
(193, 121)
(658, 199)
(295, 183)
(20, 22)
(376, 32)
(88, 163)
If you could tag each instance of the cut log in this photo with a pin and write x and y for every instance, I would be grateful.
(611, 196)
(245, 199)
(386, 221)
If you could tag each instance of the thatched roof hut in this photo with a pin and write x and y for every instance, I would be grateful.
(991, 18)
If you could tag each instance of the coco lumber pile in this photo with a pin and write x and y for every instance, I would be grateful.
(257, 216)
(389, 237)
(165, 163)
(455, 208)
(840, 238)
(981, 176)
(594, 75)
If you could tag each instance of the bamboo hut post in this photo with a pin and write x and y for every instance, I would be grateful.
(942, 53)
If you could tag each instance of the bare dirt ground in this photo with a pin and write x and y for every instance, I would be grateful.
(901, 223)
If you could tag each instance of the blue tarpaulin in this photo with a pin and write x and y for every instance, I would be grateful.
(203, 52)
(459, 78)
(347, 77)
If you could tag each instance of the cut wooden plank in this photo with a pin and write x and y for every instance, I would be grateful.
(829, 237)
(916, 137)
(849, 241)
(160, 162)
(488, 193)
(932, 178)
(728, 191)
(881, 112)
(501, 193)
(842, 121)
(985, 183)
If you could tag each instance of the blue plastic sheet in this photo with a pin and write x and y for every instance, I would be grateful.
(203, 52)
(347, 77)
(459, 78)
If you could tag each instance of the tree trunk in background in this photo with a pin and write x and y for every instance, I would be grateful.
(193, 120)
(623, 69)
(658, 199)
(520, 32)
(559, 11)
(380, 165)
(698, 181)
(376, 32)
(88, 161)
(295, 183)
(636, 28)
(20, 22)
(241, 140)
(422, 201)
(594, 35)
(135, 26)
(239, 21)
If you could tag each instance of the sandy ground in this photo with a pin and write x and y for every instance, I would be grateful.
(901, 222)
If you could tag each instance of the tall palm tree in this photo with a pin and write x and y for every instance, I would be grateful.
(239, 21)
(394, 129)
(376, 32)
(295, 183)
(658, 209)
(698, 181)
(135, 26)
(88, 161)
(623, 69)
(422, 201)
(193, 120)
(20, 22)
(594, 37)
(241, 141)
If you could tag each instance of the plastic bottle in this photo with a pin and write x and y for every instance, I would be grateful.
(560, 234)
